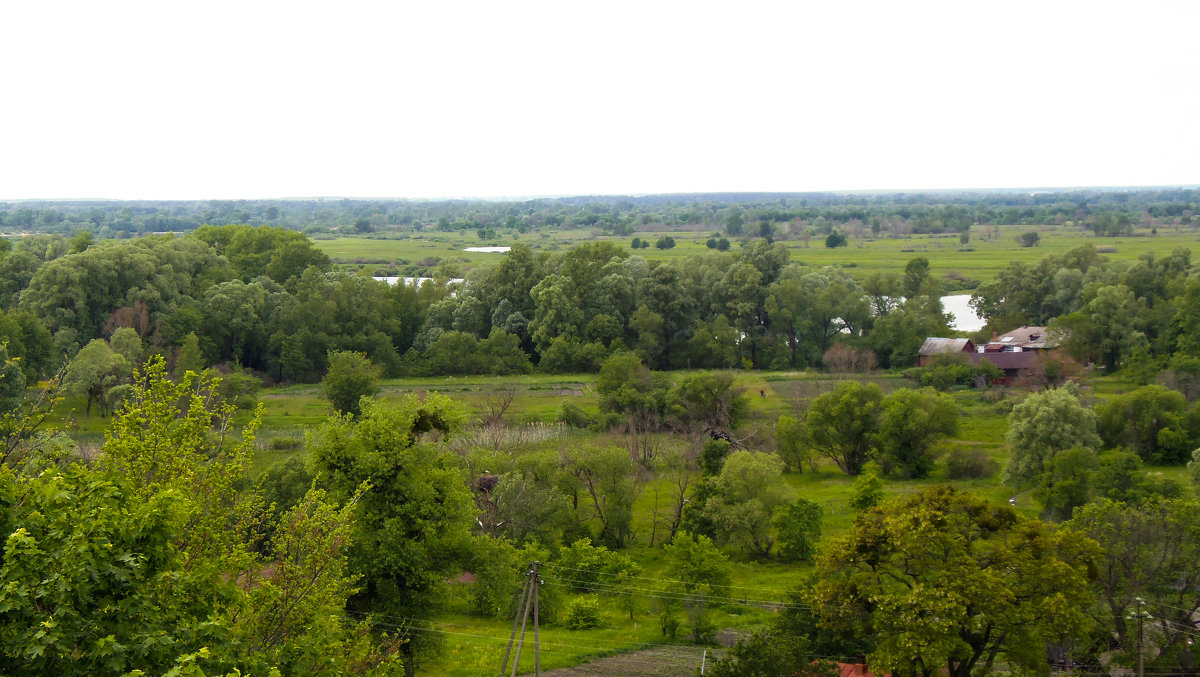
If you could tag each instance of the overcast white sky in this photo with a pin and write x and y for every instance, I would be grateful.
(249, 99)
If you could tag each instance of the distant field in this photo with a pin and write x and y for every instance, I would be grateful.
(990, 252)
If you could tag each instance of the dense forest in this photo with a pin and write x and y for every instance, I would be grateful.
(164, 554)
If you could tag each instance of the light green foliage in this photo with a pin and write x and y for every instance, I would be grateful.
(126, 343)
(413, 524)
(592, 568)
(158, 561)
(1187, 318)
(1024, 294)
(1150, 552)
(1150, 421)
(285, 484)
(178, 437)
(700, 572)
(944, 580)
(91, 581)
(743, 499)
(867, 490)
(350, 378)
(583, 613)
(810, 309)
(1043, 424)
(240, 388)
(799, 528)
(1120, 477)
(501, 354)
(842, 425)
(911, 423)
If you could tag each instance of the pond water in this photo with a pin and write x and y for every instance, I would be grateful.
(418, 281)
(965, 318)
(488, 250)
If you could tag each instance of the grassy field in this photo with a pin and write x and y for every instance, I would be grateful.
(988, 251)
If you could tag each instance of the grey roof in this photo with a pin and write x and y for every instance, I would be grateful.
(933, 346)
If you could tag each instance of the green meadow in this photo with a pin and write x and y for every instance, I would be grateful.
(989, 249)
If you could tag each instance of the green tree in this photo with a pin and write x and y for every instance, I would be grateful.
(601, 483)
(701, 572)
(94, 371)
(911, 423)
(843, 425)
(789, 444)
(1151, 422)
(867, 490)
(414, 521)
(1066, 483)
(835, 239)
(1150, 554)
(1043, 424)
(942, 580)
(1029, 239)
(189, 357)
(1107, 329)
(799, 528)
(350, 378)
(711, 399)
(12, 383)
(744, 498)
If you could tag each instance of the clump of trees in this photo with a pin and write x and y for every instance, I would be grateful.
(855, 424)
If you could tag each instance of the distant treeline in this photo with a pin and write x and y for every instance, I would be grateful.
(1107, 212)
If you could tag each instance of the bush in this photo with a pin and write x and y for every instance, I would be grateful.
(867, 490)
(284, 443)
(575, 417)
(968, 463)
(583, 613)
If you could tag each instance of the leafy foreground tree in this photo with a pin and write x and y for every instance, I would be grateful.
(413, 524)
(943, 580)
(152, 562)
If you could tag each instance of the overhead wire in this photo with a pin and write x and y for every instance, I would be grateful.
(669, 594)
(774, 591)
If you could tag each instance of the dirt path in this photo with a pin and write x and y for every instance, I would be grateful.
(662, 661)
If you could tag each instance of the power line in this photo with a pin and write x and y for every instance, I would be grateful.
(671, 594)
(773, 591)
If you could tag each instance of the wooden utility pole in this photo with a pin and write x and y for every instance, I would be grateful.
(529, 598)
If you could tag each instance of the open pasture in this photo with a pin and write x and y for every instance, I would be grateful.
(989, 250)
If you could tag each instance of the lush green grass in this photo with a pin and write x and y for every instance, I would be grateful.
(988, 251)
